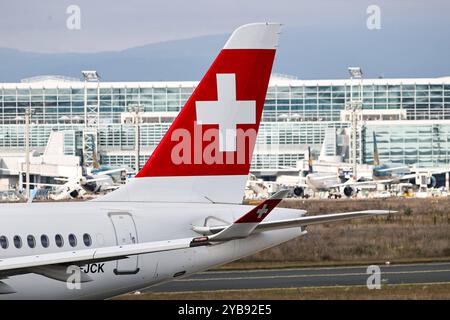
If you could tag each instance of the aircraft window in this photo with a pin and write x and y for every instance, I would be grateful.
(44, 241)
(59, 240)
(4, 242)
(72, 240)
(31, 241)
(17, 242)
(87, 240)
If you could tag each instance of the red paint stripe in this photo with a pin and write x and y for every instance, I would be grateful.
(252, 68)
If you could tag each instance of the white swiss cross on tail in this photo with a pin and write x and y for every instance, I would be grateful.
(261, 212)
(227, 112)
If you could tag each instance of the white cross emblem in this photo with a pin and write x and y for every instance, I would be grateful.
(227, 112)
(262, 211)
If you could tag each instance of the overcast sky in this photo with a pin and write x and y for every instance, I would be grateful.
(40, 26)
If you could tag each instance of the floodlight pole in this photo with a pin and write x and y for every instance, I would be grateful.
(89, 76)
(136, 111)
(28, 113)
(354, 133)
(354, 107)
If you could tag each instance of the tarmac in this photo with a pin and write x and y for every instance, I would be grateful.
(307, 277)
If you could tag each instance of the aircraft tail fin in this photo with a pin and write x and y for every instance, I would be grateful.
(205, 155)
(55, 144)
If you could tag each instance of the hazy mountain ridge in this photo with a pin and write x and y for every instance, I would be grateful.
(309, 53)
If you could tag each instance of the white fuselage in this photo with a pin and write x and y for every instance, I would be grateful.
(321, 182)
(117, 223)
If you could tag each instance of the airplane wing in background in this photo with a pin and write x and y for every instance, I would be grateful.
(393, 169)
(110, 171)
(362, 183)
(328, 177)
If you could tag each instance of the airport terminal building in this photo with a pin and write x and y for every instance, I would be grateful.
(410, 117)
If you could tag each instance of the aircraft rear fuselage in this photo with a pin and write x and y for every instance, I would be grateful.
(56, 227)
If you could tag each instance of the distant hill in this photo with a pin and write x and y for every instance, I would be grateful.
(174, 60)
(309, 53)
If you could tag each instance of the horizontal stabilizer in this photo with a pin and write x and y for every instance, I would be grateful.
(245, 225)
(317, 219)
(300, 222)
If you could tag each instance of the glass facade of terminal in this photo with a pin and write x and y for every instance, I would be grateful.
(296, 114)
(419, 144)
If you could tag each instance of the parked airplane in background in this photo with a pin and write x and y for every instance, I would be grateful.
(119, 174)
(389, 173)
(77, 181)
(382, 174)
(386, 170)
(77, 186)
(181, 214)
(331, 183)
